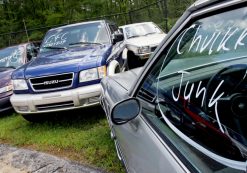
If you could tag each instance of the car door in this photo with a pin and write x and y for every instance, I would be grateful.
(117, 48)
(31, 52)
(192, 117)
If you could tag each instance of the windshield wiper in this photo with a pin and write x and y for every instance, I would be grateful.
(8, 67)
(71, 44)
(150, 33)
(134, 36)
(51, 47)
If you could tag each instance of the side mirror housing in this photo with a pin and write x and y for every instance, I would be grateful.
(117, 37)
(125, 111)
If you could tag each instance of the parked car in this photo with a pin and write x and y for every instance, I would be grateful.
(141, 39)
(186, 109)
(10, 59)
(68, 69)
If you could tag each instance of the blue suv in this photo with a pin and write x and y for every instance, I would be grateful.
(68, 69)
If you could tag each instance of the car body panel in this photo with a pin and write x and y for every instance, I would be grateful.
(73, 60)
(110, 87)
(57, 101)
(140, 144)
(136, 156)
(151, 40)
(5, 75)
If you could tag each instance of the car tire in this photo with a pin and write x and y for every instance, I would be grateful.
(113, 68)
(133, 60)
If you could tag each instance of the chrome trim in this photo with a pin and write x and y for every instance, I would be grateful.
(54, 89)
(55, 106)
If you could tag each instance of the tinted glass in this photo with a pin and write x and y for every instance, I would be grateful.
(12, 56)
(64, 37)
(200, 87)
(141, 30)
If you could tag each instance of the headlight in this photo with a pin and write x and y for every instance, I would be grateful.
(92, 74)
(19, 84)
(102, 71)
(144, 49)
(6, 88)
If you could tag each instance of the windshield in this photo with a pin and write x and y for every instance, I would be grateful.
(12, 56)
(62, 38)
(200, 85)
(141, 30)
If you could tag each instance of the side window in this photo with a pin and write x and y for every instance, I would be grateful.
(30, 52)
(199, 89)
(113, 28)
(121, 30)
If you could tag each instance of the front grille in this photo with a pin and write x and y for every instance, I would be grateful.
(153, 48)
(52, 106)
(53, 82)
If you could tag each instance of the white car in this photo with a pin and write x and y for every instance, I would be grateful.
(141, 40)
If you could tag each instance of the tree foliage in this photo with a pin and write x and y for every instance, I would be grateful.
(41, 13)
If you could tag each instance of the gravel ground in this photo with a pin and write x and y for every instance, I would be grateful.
(17, 160)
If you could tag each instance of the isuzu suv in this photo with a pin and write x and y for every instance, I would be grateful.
(68, 69)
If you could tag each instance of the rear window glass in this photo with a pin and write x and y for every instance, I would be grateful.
(12, 56)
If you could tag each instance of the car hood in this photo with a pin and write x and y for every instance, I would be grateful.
(64, 61)
(5, 76)
(149, 40)
(127, 79)
(117, 88)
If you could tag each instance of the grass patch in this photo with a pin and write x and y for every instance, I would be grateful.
(81, 136)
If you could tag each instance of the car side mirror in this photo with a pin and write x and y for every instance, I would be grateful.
(117, 37)
(125, 111)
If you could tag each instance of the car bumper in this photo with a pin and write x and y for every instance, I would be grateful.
(5, 104)
(56, 101)
(144, 56)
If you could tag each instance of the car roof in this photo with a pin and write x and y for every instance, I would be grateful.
(22, 44)
(198, 2)
(204, 3)
(133, 24)
(76, 24)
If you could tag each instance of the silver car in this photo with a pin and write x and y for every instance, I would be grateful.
(186, 109)
(140, 40)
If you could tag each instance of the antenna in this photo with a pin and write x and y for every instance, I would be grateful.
(26, 30)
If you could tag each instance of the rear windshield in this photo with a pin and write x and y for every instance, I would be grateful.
(12, 56)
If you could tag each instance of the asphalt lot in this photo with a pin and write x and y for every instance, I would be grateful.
(15, 160)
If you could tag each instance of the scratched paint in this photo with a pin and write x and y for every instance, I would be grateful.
(56, 39)
(213, 101)
(13, 58)
(215, 41)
